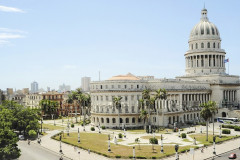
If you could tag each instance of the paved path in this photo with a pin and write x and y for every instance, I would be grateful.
(36, 152)
(68, 150)
(208, 152)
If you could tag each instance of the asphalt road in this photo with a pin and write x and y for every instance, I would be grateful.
(36, 152)
(225, 155)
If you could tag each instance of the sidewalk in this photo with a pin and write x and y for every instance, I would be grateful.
(68, 150)
(220, 148)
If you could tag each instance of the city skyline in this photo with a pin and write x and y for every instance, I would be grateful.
(60, 43)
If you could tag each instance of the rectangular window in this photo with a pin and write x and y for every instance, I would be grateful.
(131, 86)
(132, 98)
(106, 98)
(126, 98)
(119, 86)
(137, 86)
(112, 86)
(101, 98)
(125, 86)
(106, 87)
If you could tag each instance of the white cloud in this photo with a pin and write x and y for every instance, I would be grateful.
(10, 9)
(6, 34)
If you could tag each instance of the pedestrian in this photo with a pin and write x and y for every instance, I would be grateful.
(202, 150)
(88, 151)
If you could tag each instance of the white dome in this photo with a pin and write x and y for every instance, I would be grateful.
(204, 29)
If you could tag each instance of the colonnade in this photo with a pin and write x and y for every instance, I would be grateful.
(196, 97)
(211, 60)
(229, 95)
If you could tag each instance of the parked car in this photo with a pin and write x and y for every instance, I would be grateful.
(232, 156)
(21, 137)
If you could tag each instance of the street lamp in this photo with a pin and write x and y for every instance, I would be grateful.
(214, 151)
(41, 124)
(220, 131)
(109, 148)
(68, 128)
(176, 149)
(78, 136)
(161, 143)
(60, 144)
(99, 128)
(133, 152)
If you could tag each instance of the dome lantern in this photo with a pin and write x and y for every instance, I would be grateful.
(204, 14)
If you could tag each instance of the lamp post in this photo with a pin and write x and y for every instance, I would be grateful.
(60, 144)
(176, 149)
(161, 143)
(68, 128)
(134, 153)
(41, 124)
(78, 136)
(220, 131)
(99, 128)
(109, 148)
(214, 149)
(62, 121)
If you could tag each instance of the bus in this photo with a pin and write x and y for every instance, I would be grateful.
(227, 120)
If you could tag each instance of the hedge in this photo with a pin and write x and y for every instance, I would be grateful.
(153, 140)
(226, 131)
(184, 135)
(92, 129)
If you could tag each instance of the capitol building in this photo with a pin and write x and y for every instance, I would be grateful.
(205, 79)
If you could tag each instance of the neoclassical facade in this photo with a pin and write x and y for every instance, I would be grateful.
(205, 79)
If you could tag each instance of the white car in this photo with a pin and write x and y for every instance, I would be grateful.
(21, 137)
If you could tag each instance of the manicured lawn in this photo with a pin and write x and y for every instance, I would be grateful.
(202, 138)
(148, 137)
(99, 144)
(51, 127)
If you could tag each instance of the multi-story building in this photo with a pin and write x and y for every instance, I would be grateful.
(33, 100)
(9, 91)
(64, 88)
(34, 87)
(205, 79)
(25, 90)
(85, 84)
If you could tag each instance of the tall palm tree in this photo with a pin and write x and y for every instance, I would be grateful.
(146, 98)
(144, 116)
(117, 104)
(207, 112)
(161, 94)
(214, 110)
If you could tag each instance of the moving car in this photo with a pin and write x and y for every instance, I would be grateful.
(232, 156)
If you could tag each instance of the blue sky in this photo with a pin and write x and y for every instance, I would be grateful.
(60, 41)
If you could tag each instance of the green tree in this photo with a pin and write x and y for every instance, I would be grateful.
(8, 144)
(49, 107)
(144, 116)
(146, 98)
(207, 112)
(117, 104)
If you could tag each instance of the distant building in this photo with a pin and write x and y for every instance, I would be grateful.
(9, 91)
(48, 89)
(25, 90)
(85, 84)
(34, 87)
(33, 100)
(2, 97)
(64, 88)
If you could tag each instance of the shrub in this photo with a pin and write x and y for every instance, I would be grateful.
(154, 157)
(141, 157)
(72, 125)
(184, 135)
(226, 131)
(202, 123)
(228, 126)
(153, 140)
(103, 127)
(236, 128)
(92, 129)
(190, 132)
(118, 156)
(32, 133)
(120, 135)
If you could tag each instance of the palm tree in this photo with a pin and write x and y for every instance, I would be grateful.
(146, 98)
(161, 94)
(208, 110)
(117, 104)
(214, 110)
(144, 116)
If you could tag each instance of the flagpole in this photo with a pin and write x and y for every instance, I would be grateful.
(228, 66)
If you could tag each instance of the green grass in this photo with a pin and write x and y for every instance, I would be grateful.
(148, 137)
(186, 140)
(202, 138)
(51, 127)
(98, 143)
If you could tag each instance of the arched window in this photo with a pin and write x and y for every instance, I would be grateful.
(93, 119)
(107, 120)
(121, 120)
(214, 45)
(196, 46)
(208, 45)
(127, 120)
(97, 120)
(202, 45)
(102, 120)
(218, 45)
(113, 120)
(192, 46)
(133, 120)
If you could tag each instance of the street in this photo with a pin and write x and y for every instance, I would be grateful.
(225, 155)
(36, 152)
